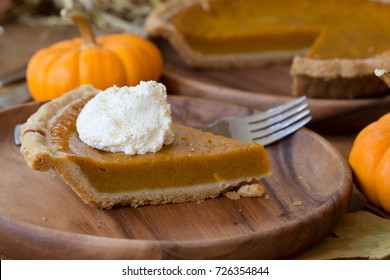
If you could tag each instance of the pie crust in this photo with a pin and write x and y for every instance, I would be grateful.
(314, 77)
(195, 167)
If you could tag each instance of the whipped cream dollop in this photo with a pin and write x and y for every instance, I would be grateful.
(133, 120)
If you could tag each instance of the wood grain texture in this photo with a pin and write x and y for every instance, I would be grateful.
(265, 87)
(41, 218)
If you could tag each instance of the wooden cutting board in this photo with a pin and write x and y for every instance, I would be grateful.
(265, 87)
(308, 191)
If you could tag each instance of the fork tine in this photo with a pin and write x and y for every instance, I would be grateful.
(275, 110)
(259, 133)
(282, 133)
(255, 126)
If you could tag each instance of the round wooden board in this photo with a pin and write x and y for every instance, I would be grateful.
(41, 218)
(264, 87)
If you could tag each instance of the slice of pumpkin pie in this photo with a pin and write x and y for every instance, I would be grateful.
(126, 151)
(335, 45)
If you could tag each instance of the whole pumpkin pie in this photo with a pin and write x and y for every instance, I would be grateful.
(196, 166)
(335, 45)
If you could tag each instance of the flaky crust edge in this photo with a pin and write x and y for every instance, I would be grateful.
(339, 78)
(334, 68)
(35, 131)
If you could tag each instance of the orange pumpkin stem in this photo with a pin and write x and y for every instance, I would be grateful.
(81, 20)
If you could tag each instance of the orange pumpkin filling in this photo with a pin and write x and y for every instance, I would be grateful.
(194, 158)
(330, 29)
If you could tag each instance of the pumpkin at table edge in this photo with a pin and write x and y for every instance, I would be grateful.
(370, 162)
(115, 59)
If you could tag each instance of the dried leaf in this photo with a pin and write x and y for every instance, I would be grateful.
(118, 15)
(359, 235)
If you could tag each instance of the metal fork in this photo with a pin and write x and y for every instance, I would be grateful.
(264, 128)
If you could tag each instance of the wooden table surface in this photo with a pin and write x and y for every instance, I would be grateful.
(19, 42)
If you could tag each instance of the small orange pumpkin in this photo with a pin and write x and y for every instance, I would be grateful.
(370, 162)
(116, 59)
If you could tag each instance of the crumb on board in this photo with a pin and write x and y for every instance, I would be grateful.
(232, 195)
(44, 219)
(297, 203)
(252, 190)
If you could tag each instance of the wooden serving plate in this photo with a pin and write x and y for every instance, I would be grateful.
(41, 218)
(264, 87)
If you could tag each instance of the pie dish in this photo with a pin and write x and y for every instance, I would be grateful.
(196, 166)
(334, 45)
